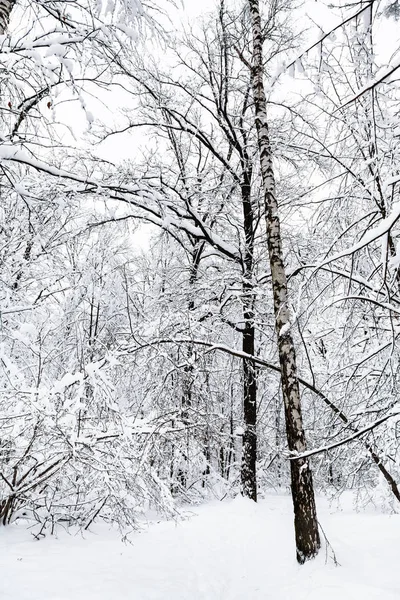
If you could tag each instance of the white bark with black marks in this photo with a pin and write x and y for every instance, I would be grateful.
(305, 515)
(6, 7)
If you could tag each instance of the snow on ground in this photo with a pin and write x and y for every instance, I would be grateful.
(233, 550)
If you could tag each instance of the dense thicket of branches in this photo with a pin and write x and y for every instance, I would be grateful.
(261, 310)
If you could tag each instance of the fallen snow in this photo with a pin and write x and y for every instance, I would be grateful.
(234, 550)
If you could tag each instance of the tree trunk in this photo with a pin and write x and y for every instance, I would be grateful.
(6, 7)
(249, 456)
(305, 515)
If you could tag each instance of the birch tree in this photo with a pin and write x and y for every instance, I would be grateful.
(6, 7)
(306, 524)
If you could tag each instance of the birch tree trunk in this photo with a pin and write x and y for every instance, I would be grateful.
(305, 515)
(6, 7)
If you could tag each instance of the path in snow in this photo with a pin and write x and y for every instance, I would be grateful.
(229, 551)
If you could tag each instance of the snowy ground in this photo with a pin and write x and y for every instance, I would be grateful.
(232, 550)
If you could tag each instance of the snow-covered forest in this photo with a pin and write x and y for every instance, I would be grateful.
(200, 279)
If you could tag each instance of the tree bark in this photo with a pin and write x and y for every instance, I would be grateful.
(249, 457)
(6, 7)
(305, 515)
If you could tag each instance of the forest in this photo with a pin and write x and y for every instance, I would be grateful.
(199, 265)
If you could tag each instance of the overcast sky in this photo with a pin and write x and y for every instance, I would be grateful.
(316, 17)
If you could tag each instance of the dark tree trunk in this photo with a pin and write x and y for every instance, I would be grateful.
(249, 457)
(305, 515)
